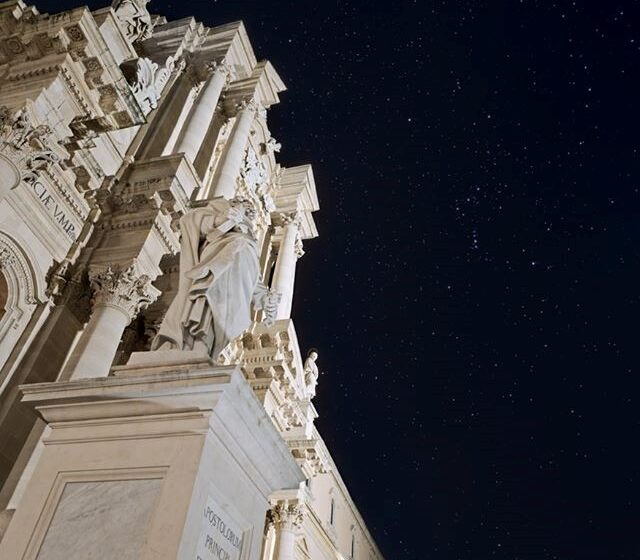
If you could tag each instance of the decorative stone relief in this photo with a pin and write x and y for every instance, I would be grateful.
(135, 18)
(7, 258)
(255, 181)
(25, 145)
(253, 171)
(287, 516)
(122, 288)
(149, 81)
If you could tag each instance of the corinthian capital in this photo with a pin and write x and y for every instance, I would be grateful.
(287, 515)
(122, 288)
(249, 104)
(220, 67)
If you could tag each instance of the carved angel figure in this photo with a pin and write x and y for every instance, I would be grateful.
(219, 280)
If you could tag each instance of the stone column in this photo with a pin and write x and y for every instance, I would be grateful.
(119, 294)
(286, 518)
(284, 274)
(224, 182)
(199, 119)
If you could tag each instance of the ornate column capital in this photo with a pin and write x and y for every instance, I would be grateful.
(287, 515)
(222, 67)
(249, 104)
(122, 288)
(284, 219)
(291, 220)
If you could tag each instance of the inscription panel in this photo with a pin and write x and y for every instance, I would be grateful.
(220, 538)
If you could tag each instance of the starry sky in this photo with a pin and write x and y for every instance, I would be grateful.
(473, 292)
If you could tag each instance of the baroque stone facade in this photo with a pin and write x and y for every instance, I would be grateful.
(114, 124)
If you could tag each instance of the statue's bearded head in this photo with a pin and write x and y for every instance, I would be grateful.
(249, 211)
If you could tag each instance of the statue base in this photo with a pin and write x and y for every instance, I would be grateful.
(150, 464)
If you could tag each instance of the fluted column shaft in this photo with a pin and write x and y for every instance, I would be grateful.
(197, 124)
(224, 183)
(119, 296)
(284, 274)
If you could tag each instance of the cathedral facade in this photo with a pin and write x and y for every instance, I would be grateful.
(154, 400)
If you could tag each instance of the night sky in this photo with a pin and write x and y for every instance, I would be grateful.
(474, 290)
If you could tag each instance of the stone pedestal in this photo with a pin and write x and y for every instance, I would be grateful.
(155, 462)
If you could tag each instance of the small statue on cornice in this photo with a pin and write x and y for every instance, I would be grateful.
(135, 18)
(311, 373)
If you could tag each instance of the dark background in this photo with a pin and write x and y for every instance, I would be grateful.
(474, 289)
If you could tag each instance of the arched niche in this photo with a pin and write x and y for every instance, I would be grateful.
(21, 289)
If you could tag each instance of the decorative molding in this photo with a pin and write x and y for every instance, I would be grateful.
(123, 288)
(16, 268)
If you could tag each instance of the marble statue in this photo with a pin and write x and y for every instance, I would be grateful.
(311, 373)
(219, 280)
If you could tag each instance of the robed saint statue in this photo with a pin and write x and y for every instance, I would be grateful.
(219, 280)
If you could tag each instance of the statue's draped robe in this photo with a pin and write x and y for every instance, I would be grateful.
(219, 274)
